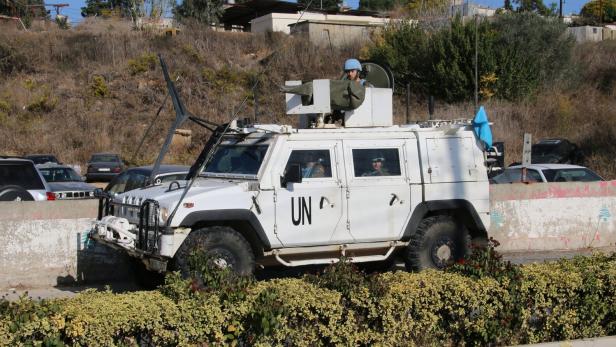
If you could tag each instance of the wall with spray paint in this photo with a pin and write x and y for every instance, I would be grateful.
(553, 216)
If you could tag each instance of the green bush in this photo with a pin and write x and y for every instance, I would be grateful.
(568, 299)
(43, 103)
(516, 54)
(98, 87)
(143, 63)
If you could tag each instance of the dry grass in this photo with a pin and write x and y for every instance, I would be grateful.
(76, 92)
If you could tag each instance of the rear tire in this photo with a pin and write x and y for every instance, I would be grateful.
(439, 241)
(225, 246)
(14, 193)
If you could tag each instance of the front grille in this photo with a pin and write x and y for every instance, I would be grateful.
(73, 195)
(147, 237)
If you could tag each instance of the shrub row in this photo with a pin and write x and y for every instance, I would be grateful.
(568, 299)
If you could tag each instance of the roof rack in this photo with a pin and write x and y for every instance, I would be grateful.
(438, 123)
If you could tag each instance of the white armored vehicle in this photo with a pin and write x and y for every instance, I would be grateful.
(279, 195)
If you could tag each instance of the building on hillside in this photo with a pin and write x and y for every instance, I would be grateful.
(259, 16)
(466, 9)
(586, 33)
(329, 33)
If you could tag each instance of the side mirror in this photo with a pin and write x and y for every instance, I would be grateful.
(292, 175)
(98, 192)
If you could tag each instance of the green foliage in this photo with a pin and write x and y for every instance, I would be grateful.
(143, 63)
(5, 106)
(516, 54)
(203, 11)
(11, 60)
(43, 103)
(535, 6)
(599, 11)
(98, 87)
(481, 302)
(377, 5)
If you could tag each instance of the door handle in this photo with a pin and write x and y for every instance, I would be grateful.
(324, 199)
(394, 197)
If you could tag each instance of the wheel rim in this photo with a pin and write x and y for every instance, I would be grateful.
(442, 252)
(223, 259)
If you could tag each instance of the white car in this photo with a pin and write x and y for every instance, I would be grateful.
(279, 195)
(21, 181)
(547, 173)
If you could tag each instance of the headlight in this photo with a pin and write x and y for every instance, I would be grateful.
(164, 214)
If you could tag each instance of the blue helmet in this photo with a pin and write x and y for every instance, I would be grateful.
(352, 64)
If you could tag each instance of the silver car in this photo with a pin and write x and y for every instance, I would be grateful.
(65, 183)
(547, 173)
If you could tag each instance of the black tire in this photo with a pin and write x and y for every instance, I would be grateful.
(227, 247)
(438, 242)
(145, 278)
(14, 193)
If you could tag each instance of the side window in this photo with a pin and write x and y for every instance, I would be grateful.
(533, 176)
(118, 185)
(314, 163)
(376, 162)
(135, 181)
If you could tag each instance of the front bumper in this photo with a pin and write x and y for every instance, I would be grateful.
(114, 232)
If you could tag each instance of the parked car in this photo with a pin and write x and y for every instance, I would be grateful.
(65, 183)
(136, 177)
(547, 173)
(555, 151)
(103, 167)
(21, 181)
(43, 158)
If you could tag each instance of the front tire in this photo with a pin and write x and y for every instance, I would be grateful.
(224, 246)
(439, 242)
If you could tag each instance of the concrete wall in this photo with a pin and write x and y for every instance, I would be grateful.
(553, 216)
(281, 21)
(586, 33)
(337, 34)
(44, 243)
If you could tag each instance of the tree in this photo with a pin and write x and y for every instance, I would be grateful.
(377, 5)
(517, 52)
(600, 11)
(508, 6)
(204, 11)
(321, 4)
(20, 8)
(536, 6)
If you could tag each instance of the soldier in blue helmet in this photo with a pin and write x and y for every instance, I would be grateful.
(352, 70)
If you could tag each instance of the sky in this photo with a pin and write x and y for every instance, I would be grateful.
(569, 6)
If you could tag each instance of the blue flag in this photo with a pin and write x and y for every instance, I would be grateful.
(482, 127)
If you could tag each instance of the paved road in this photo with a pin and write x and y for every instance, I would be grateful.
(70, 291)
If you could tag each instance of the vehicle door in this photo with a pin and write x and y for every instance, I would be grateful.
(378, 190)
(311, 212)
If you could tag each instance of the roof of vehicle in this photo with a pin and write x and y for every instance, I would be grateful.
(53, 166)
(9, 158)
(549, 166)
(40, 155)
(554, 141)
(105, 153)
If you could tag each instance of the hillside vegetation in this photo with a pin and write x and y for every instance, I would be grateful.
(99, 86)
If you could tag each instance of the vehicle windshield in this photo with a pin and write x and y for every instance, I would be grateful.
(571, 175)
(104, 158)
(236, 159)
(42, 159)
(60, 175)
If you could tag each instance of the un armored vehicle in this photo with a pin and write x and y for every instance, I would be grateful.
(270, 194)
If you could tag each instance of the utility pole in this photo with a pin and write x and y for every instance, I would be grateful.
(560, 10)
(476, 65)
